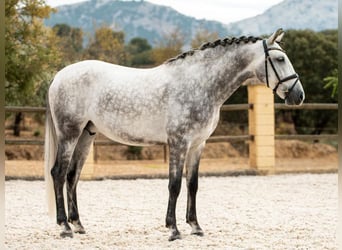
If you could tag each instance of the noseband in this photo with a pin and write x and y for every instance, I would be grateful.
(268, 59)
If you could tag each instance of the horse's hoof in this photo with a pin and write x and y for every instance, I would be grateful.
(66, 233)
(79, 231)
(175, 237)
(78, 228)
(66, 230)
(196, 229)
(197, 232)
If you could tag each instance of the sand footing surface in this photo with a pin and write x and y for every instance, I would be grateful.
(294, 211)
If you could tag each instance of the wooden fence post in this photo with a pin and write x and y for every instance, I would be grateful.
(88, 168)
(261, 126)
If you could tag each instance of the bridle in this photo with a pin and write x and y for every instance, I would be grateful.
(268, 59)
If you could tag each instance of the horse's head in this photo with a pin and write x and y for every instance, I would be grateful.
(278, 73)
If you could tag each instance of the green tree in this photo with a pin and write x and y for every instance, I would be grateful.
(140, 52)
(31, 53)
(69, 42)
(138, 45)
(170, 46)
(331, 82)
(203, 36)
(314, 57)
(107, 45)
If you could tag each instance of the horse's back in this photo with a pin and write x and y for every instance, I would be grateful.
(90, 80)
(126, 104)
(96, 73)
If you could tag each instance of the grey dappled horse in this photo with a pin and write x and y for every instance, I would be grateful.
(177, 103)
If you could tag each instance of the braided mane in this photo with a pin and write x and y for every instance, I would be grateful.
(223, 42)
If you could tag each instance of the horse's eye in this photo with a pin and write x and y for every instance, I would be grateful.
(280, 59)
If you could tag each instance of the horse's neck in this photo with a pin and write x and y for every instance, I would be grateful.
(233, 71)
(222, 73)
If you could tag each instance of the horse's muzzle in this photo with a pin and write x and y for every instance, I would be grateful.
(295, 98)
(296, 95)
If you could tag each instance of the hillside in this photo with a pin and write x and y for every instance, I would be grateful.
(291, 14)
(151, 21)
(136, 18)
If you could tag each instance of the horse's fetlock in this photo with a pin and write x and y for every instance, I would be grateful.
(73, 219)
(170, 222)
(60, 222)
(191, 220)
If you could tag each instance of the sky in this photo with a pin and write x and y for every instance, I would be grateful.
(225, 11)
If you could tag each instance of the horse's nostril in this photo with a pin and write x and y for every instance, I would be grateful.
(301, 96)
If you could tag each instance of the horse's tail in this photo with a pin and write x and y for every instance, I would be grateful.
(50, 149)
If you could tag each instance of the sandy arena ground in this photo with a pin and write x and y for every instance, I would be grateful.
(246, 212)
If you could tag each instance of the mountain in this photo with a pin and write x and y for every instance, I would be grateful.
(291, 14)
(136, 18)
(151, 21)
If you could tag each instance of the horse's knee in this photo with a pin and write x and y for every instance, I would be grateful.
(175, 182)
(175, 177)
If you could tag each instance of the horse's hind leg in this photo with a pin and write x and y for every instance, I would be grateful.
(192, 164)
(65, 149)
(79, 156)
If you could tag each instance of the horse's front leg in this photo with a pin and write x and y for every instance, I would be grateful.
(192, 164)
(178, 151)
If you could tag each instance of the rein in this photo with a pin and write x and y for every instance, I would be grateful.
(268, 59)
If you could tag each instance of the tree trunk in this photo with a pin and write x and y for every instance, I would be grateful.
(16, 126)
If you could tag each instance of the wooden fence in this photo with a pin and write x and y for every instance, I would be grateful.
(261, 127)
(225, 108)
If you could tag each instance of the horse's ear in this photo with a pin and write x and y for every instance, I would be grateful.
(276, 37)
